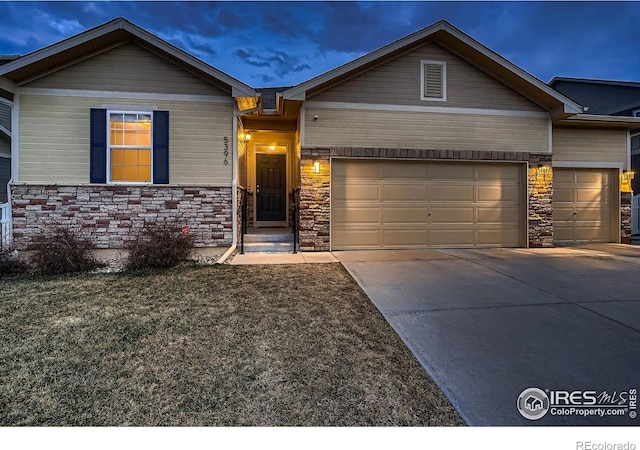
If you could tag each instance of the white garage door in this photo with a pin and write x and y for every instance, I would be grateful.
(583, 205)
(414, 204)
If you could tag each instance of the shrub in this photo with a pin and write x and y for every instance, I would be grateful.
(61, 249)
(10, 264)
(158, 244)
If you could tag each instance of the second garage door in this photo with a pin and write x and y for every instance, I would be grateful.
(414, 204)
(583, 205)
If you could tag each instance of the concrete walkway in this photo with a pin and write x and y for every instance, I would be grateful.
(283, 258)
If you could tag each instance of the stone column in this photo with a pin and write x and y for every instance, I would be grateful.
(540, 213)
(625, 217)
(315, 209)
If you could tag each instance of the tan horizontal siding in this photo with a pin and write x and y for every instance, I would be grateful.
(391, 129)
(57, 151)
(398, 82)
(585, 145)
(128, 68)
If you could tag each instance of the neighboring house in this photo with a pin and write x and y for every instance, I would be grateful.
(608, 97)
(431, 141)
(5, 137)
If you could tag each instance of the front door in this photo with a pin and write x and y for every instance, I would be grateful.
(271, 188)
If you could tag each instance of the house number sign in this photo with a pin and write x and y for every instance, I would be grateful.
(226, 150)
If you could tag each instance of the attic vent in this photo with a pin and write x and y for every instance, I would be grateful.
(434, 76)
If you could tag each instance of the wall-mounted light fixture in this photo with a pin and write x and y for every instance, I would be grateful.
(245, 137)
(625, 180)
(316, 163)
(544, 173)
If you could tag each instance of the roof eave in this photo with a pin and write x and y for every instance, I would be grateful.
(567, 106)
(237, 88)
(630, 123)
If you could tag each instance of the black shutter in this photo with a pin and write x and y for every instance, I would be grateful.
(161, 147)
(98, 151)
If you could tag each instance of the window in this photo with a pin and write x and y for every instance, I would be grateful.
(433, 78)
(129, 158)
(635, 113)
(129, 147)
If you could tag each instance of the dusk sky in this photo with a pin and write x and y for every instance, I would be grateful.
(285, 43)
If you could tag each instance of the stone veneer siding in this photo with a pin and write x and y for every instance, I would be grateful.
(540, 213)
(315, 189)
(110, 215)
(625, 217)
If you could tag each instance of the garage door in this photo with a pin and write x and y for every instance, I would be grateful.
(413, 204)
(583, 205)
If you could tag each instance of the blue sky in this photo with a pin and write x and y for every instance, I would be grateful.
(285, 43)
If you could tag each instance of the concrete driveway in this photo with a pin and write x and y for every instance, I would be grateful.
(488, 324)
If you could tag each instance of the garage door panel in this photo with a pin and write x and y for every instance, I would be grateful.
(344, 214)
(593, 214)
(445, 237)
(453, 172)
(356, 238)
(497, 172)
(408, 214)
(362, 170)
(591, 196)
(448, 193)
(357, 192)
(410, 170)
(498, 215)
(561, 195)
(424, 204)
(593, 233)
(461, 215)
(405, 192)
(506, 237)
(592, 177)
(504, 193)
(404, 238)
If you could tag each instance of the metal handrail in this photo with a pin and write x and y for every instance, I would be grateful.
(245, 215)
(295, 211)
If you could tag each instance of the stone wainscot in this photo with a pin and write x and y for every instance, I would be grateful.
(110, 215)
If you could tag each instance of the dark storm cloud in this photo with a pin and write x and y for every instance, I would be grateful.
(288, 42)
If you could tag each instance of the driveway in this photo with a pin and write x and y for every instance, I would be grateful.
(488, 324)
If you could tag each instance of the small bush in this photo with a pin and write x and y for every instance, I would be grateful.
(158, 244)
(61, 249)
(10, 264)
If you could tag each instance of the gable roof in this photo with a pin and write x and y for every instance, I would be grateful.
(602, 97)
(459, 43)
(109, 34)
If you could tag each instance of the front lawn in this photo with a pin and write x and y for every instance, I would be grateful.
(206, 346)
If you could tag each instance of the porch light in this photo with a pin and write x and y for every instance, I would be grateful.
(625, 180)
(544, 173)
(246, 137)
(316, 166)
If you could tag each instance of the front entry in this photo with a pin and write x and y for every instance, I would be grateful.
(271, 188)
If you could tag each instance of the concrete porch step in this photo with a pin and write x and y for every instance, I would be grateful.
(267, 247)
(272, 237)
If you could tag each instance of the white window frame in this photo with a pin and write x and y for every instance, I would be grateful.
(635, 113)
(424, 63)
(127, 183)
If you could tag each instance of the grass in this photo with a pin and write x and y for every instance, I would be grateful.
(207, 346)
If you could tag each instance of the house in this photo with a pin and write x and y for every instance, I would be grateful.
(431, 141)
(608, 97)
(5, 138)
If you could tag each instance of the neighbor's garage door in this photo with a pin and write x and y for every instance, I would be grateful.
(413, 204)
(583, 205)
